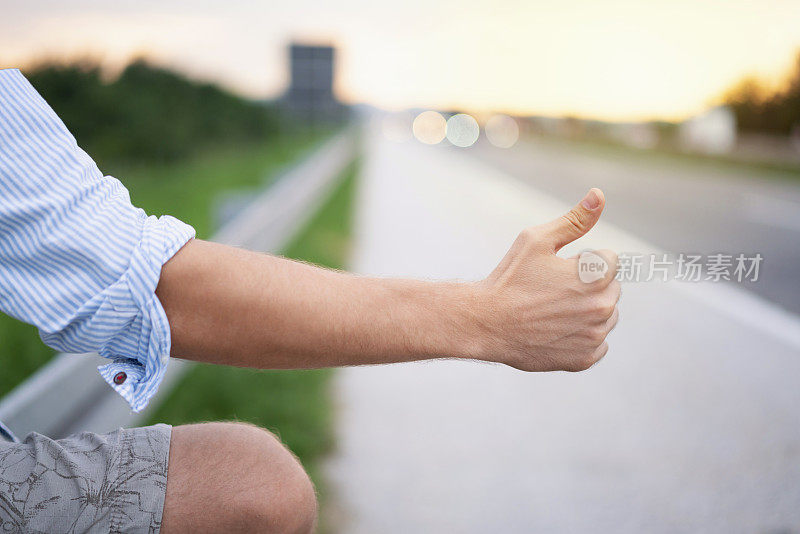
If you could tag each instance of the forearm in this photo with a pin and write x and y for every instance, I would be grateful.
(236, 307)
(533, 312)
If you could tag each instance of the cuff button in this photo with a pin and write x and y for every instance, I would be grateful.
(120, 378)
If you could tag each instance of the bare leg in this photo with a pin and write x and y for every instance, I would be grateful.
(235, 477)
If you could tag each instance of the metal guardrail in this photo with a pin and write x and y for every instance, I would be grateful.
(68, 395)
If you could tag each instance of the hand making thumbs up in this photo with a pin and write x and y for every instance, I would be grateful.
(541, 315)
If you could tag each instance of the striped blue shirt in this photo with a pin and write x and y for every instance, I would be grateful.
(77, 260)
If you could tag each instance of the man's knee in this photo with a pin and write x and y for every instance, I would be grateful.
(235, 477)
(288, 504)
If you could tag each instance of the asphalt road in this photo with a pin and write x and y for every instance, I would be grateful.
(689, 424)
(681, 206)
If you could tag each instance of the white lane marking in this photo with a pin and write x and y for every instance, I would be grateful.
(747, 308)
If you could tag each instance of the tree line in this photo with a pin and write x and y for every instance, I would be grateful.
(147, 113)
(763, 110)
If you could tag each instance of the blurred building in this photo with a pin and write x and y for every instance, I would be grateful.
(712, 132)
(310, 94)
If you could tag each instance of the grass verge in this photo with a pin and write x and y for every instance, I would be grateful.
(293, 404)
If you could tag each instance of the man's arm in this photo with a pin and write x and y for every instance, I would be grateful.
(235, 307)
(77, 259)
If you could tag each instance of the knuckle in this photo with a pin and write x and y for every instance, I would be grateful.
(611, 258)
(613, 271)
(528, 234)
(597, 335)
(574, 219)
(528, 237)
(603, 306)
(612, 321)
(615, 287)
(614, 293)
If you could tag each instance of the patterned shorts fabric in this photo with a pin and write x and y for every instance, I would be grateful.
(109, 483)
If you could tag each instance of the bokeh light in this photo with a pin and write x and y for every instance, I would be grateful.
(502, 131)
(397, 126)
(462, 130)
(429, 127)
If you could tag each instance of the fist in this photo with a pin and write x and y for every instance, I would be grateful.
(540, 314)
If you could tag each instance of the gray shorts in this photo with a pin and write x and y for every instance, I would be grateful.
(109, 483)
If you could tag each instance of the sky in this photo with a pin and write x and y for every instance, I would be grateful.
(607, 59)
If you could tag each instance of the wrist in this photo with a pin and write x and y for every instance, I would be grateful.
(433, 320)
(475, 342)
(459, 329)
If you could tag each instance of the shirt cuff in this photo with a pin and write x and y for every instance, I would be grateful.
(137, 380)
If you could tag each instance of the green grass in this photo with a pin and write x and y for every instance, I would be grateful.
(293, 404)
(186, 190)
(21, 352)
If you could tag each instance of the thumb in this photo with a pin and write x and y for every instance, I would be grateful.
(577, 221)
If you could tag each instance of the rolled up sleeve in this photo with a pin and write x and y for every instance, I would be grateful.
(77, 259)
